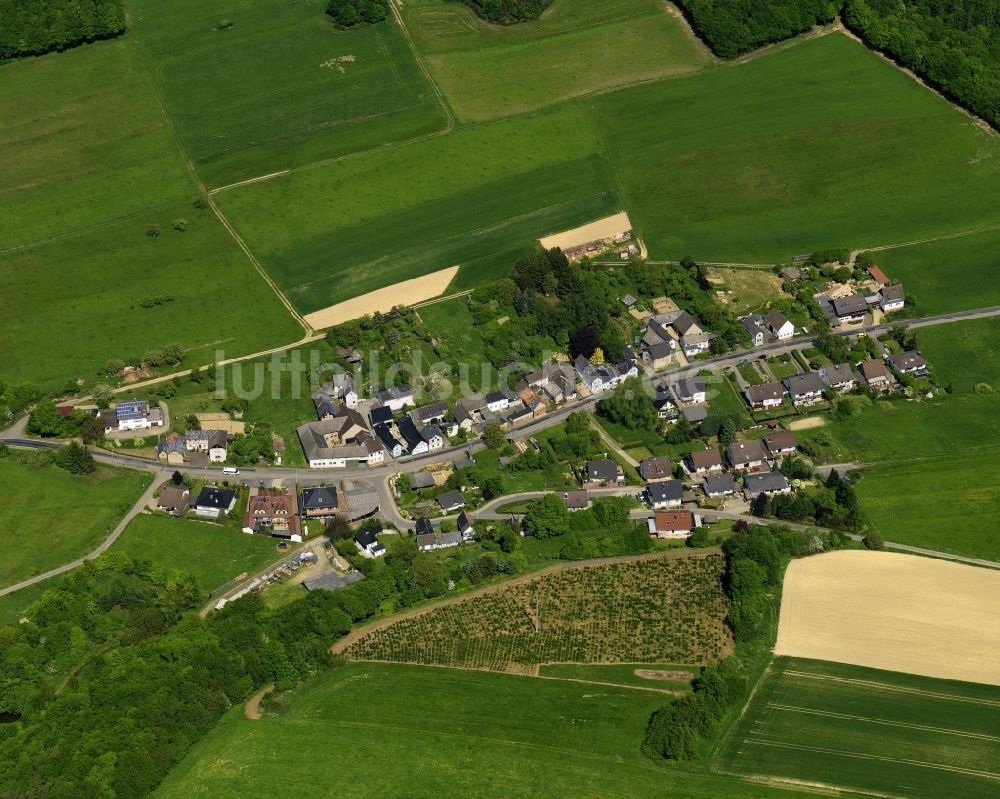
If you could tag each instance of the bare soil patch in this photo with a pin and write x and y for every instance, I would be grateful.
(807, 424)
(606, 228)
(408, 292)
(891, 611)
(657, 674)
(252, 709)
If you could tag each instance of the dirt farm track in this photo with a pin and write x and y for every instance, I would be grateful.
(896, 612)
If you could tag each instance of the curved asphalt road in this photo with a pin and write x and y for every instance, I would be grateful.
(380, 475)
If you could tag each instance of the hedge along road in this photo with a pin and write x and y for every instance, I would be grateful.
(411, 464)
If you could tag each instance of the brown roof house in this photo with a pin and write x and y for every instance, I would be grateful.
(703, 461)
(874, 373)
(672, 523)
(655, 468)
(174, 499)
(273, 512)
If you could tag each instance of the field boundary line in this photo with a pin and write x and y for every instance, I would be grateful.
(896, 688)
(189, 164)
(848, 717)
(879, 758)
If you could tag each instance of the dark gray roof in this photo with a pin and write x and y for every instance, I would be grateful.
(602, 470)
(719, 484)
(496, 396)
(776, 319)
(465, 521)
(331, 581)
(381, 415)
(384, 433)
(212, 497)
(690, 386)
(366, 537)
(420, 480)
(396, 392)
(667, 491)
(410, 432)
(907, 361)
(746, 451)
(807, 383)
(766, 391)
(893, 293)
(696, 413)
(319, 497)
(655, 468)
(424, 526)
(840, 373)
(851, 305)
(450, 500)
(767, 481)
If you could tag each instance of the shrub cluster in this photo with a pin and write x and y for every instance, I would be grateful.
(33, 27)
(348, 13)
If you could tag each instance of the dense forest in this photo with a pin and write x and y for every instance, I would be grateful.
(734, 27)
(348, 13)
(954, 45)
(507, 12)
(33, 27)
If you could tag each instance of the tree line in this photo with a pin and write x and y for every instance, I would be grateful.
(33, 27)
(348, 13)
(508, 12)
(756, 557)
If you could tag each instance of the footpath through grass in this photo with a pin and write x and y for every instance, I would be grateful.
(50, 517)
(212, 554)
(445, 732)
(877, 732)
(489, 71)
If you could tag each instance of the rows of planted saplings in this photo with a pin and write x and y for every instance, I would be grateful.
(663, 610)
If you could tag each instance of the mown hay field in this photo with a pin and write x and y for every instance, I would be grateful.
(891, 611)
(281, 87)
(845, 728)
(667, 609)
(392, 730)
(577, 46)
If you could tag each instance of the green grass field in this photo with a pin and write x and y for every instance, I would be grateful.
(211, 554)
(82, 141)
(442, 732)
(77, 299)
(473, 196)
(868, 731)
(489, 71)
(51, 517)
(12, 606)
(282, 87)
(821, 144)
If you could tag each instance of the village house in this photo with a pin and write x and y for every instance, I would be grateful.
(839, 377)
(704, 461)
(342, 386)
(655, 468)
(692, 390)
(667, 494)
(212, 502)
(747, 455)
(396, 398)
(389, 441)
(556, 381)
(878, 276)
(850, 309)
(326, 408)
(174, 499)
(805, 389)
(672, 524)
(421, 480)
(779, 325)
(874, 374)
(719, 485)
(420, 439)
(765, 483)
(323, 502)
(757, 328)
(532, 402)
(368, 544)
(779, 444)
(909, 363)
(429, 414)
(605, 376)
(428, 538)
(466, 526)
(132, 415)
(575, 500)
(891, 298)
(273, 512)
(341, 441)
(212, 442)
(497, 401)
(664, 404)
(765, 396)
(171, 449)
(451, 501)
(602, 473)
